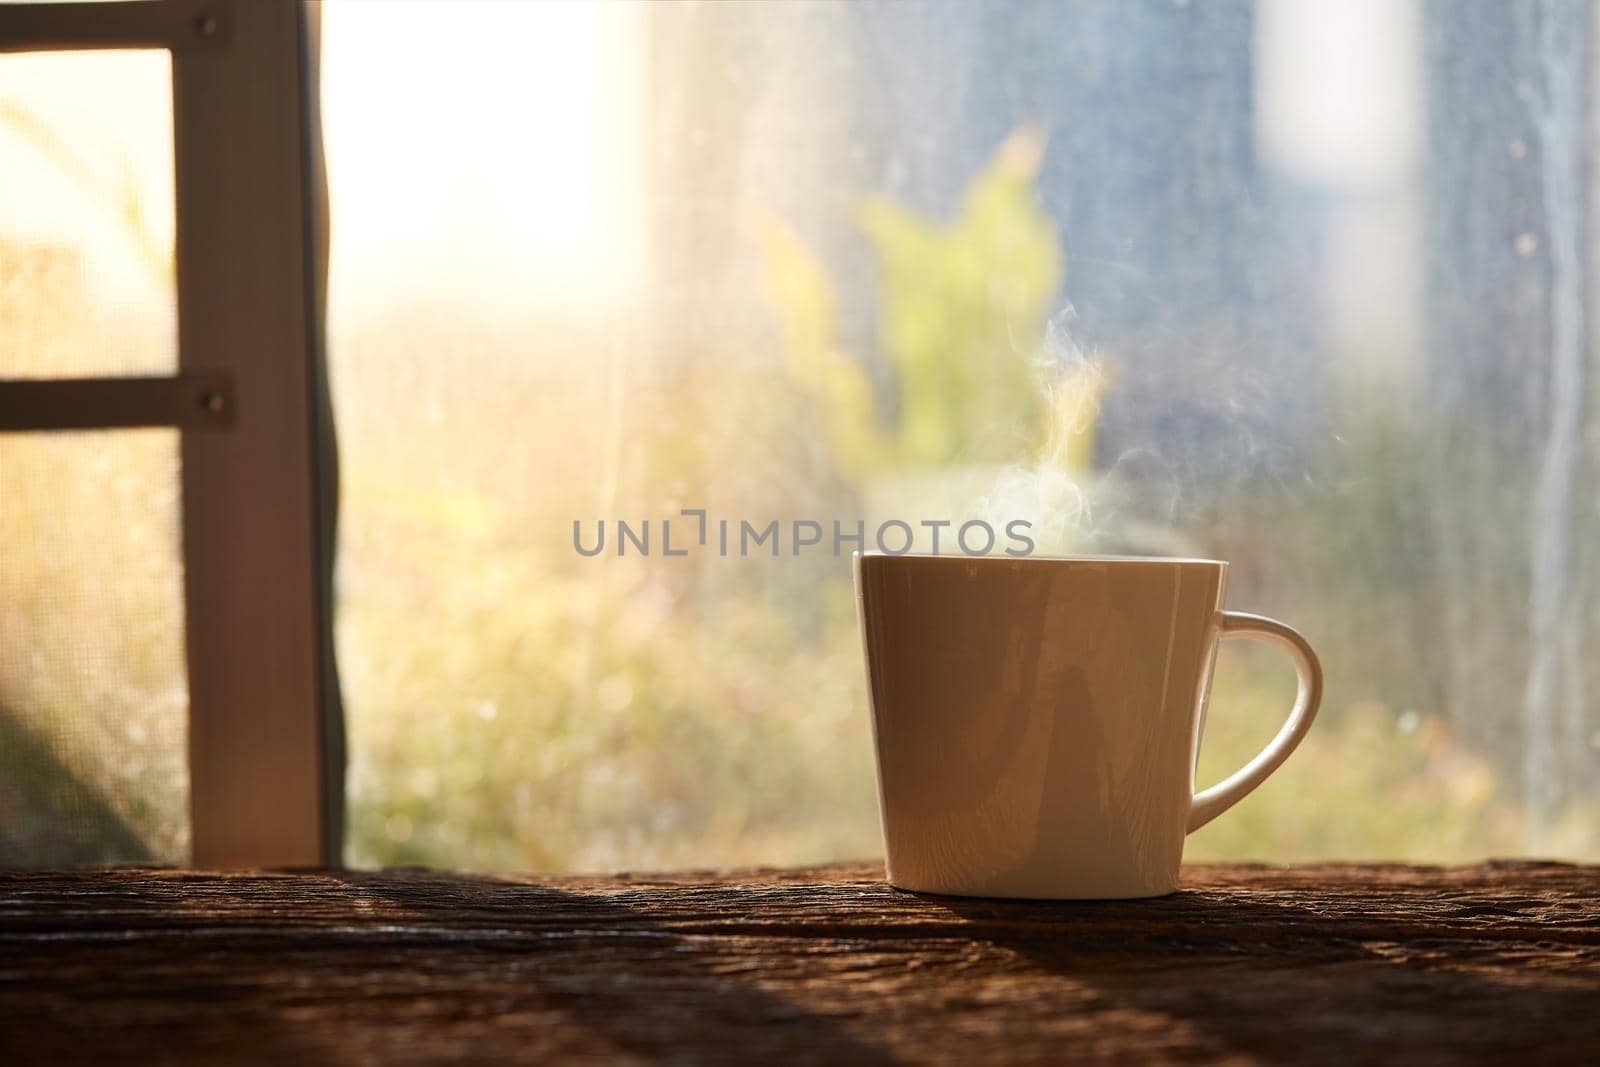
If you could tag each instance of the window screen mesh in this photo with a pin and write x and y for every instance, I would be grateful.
(93, 700)
(86, 215)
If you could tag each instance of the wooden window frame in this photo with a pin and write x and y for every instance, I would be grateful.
(250, 399)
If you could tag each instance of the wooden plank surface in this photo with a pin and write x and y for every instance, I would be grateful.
(1498, 963)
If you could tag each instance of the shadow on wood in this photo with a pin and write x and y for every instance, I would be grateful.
(828, 966)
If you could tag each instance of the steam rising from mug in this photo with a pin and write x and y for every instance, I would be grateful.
(1129, 505)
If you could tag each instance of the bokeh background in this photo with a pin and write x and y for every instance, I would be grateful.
(1306, 286)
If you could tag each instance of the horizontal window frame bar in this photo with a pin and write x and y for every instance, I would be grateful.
(193, 400)
(169, 24)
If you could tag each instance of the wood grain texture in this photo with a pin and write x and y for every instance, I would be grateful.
(1493, 963)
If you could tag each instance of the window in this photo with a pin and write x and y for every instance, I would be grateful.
(635, 311)
(159, 257)
(93, 697)
(1299, 285)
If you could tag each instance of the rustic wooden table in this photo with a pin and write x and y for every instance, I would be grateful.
(1319, 964)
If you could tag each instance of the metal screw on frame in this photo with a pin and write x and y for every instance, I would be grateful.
(213, 401)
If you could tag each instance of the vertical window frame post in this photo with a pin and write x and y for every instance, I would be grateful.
(265, 740)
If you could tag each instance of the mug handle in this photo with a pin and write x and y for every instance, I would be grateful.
(1210, 803)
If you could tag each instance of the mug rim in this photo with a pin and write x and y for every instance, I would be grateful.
(1091, 558)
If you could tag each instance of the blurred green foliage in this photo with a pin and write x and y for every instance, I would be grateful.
(962, 311)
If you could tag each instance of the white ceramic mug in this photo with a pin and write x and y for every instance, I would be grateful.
(1037, 720)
